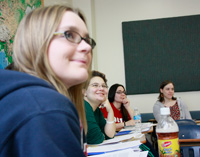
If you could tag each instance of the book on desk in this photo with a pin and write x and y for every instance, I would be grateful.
(125, 142)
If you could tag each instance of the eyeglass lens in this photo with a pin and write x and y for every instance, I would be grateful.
(76, 38)
(120, 92)
(95, 85)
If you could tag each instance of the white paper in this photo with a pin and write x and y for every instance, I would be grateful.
(123, 153)
(145, 127)
(114, 147)
(122, 138)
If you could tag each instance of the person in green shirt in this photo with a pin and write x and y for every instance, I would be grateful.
(95, 95)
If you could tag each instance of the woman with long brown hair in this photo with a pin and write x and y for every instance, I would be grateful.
(178, 109)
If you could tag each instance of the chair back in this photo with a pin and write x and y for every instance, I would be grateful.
(189, 138)
(185, 122)
(189, 131)
(190, 151)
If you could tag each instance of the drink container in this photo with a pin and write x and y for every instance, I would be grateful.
(167, 133)
(138, 119)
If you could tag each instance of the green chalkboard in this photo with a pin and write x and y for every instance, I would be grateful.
(162, 49)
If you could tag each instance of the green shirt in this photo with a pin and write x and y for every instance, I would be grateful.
(96, 123)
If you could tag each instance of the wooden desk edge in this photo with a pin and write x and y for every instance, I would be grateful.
(149, 131)
(188, 140)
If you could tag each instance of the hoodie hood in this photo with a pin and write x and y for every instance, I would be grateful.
(11, 81)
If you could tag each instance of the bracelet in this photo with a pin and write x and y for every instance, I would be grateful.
(110, 122)
(124, 123)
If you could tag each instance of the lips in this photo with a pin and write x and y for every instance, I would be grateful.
(81, 61)
(100, 94)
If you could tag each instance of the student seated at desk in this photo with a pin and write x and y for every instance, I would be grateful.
(121, 107)
(95, 94)
(41, 102)
(178, 108)
(123, 113)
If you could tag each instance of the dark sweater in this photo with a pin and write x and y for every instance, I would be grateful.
(36, 120)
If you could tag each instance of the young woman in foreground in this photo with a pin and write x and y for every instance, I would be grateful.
(41, 105)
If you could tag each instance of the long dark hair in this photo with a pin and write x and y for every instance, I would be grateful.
(162, 85)
(111, 98)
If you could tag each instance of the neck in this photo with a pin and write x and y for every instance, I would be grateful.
(117, 105)
(167, 100)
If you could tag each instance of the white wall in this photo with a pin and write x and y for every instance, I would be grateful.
(53, 2)
(104, 18)
(109, 16)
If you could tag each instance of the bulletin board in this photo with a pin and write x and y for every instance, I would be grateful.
(162, 49)
(11, 13)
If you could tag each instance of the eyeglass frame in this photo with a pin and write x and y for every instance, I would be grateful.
(121, 92)
(98, 85)
(92, 44)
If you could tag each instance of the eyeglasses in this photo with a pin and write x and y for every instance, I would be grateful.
(96, 85)
(74, 37)
(120, 92)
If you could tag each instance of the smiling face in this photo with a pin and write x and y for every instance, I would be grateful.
(70, 61)
(96, 94)
(120, 94)
(168, 91)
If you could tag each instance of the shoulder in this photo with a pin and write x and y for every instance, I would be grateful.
(32, 99)
(179, 101)
(88, 107)
(158, 104)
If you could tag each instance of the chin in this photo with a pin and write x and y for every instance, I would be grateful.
(80, 79)
(76, 80)
(101, 99)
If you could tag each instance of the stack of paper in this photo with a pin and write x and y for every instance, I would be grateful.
(120, 149)
(127, 137)
(123, 153)
(145, 127)
(124, 144)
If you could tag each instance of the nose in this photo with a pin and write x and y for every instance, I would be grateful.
(84, 47)
(100, 87)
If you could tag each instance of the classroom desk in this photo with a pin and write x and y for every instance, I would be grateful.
(197, 121)
(142, 139)
(149, 131)
(124, 139)
(189, 142)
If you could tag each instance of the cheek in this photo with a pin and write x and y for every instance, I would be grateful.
(90, 92)
(117, 97)
(106, 91)
(52, 53)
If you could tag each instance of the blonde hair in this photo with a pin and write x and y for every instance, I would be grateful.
(31, 43)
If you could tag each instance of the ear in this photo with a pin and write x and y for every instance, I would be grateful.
(84, 92)
(161, 90)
